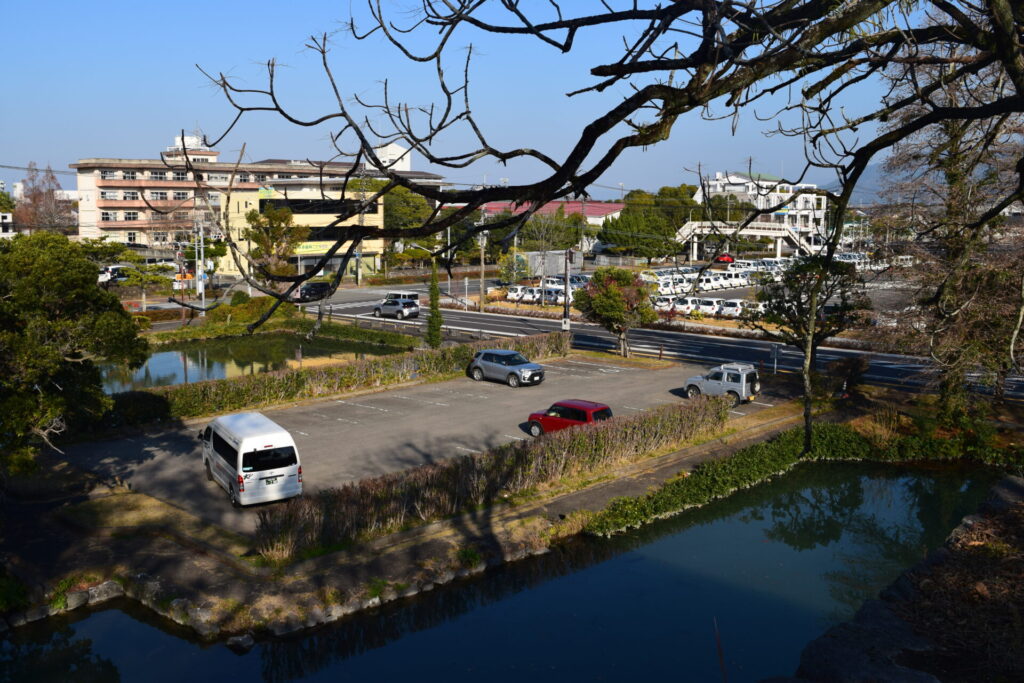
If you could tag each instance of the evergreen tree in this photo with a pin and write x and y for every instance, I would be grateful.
(435, 320)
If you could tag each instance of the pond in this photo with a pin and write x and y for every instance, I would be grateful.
(770, 568)
(195, 361)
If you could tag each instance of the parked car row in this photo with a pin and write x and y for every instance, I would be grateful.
(723, 308)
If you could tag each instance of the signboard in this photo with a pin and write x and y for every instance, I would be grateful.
(265, 193)
(317, 248)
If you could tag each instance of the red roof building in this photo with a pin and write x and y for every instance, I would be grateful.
(595, 212)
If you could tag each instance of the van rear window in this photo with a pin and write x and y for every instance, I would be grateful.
(268, 459)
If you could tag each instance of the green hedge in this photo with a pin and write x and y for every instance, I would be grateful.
(253, 391)
(381, 505)
(755, 464)
(329, 330)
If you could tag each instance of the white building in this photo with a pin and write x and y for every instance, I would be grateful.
(800, 205)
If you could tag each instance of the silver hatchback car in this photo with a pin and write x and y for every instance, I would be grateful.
(398, 308)
(504, 366)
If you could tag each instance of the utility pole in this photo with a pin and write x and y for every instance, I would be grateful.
(200, 254)
(567, 291)
(482, 239)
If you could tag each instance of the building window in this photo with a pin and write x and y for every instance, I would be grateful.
(158, 196)
(107, 194)
(181, 215)
(107, 175)
(820, 203)
(131, 195)
(284, 176)
(260, 177)
(243, 177)
(160, 237)
(158, 175)
(130, 237)
(106, 216)
(180, 195)
(129, 175)
(181, 175)
(131, 215)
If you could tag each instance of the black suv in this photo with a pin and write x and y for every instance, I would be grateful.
(314, 290)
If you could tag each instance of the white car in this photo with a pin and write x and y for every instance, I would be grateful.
(753, 309)
(685, 305)
(662, 303)
(709, 306)
(515, 293)
(553, 297)
(731, 308)
(531, 295)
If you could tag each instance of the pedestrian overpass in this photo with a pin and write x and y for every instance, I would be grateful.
(800, 237)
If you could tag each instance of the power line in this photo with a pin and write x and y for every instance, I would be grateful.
(36, 168)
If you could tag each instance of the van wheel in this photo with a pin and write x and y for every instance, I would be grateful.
(692, 391)
(734, 397)
(512, 380)
(233, 497)
(209, 474)
(477, 374)
(536, 429)
(376, 313)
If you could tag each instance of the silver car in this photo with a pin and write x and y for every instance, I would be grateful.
(397, 308)
(739, 381)
(504, 366)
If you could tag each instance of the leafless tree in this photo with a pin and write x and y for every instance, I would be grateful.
(39, 207)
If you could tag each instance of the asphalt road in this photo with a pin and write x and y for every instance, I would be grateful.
(345, 440)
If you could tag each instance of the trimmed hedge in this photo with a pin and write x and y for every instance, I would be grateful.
(384, 504)
(328, 330)
(253, 391)
(757, 463)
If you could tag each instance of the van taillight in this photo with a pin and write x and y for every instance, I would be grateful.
(241, 483)
(300, 474)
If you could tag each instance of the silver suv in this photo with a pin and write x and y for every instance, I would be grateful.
(504, 366)
(398, 308)
(737, 380)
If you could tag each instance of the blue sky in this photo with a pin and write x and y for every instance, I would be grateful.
(118, 79)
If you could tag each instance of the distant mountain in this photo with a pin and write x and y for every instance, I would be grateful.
(869, 187)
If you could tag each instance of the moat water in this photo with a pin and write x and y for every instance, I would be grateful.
(755, 576)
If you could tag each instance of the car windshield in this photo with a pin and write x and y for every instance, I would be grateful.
(512, 359)
(268, 459)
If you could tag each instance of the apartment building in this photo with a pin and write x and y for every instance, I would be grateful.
(802, 207)
(154, 202)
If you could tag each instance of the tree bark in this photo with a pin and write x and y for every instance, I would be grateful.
(624, 343)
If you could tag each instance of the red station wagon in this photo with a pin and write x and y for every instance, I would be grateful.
(569, 413)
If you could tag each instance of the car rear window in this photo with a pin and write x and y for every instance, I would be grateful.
(268, 459)
(602, 414)
(408, 304)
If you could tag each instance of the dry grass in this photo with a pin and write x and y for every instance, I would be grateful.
(619, 361)
(126, 511)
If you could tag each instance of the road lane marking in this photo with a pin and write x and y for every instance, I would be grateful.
(763, 404)
(342, 419)
(463, 448)
(423, 400)
(517, 438)
(303, 433)
(363, 405)
(632, 408)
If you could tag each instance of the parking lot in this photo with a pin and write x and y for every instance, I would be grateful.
(342, 440)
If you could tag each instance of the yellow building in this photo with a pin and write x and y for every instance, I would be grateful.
(311, 209)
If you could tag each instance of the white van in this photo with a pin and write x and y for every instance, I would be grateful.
(415, 296)
(252, 457)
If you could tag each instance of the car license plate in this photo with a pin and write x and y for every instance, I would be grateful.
(270, 480)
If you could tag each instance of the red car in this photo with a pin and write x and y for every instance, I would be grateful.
(725, 258)
(569, 413)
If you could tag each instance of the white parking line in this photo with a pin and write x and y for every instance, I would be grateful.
(517, 438)
(463, 448)
(363, 405)
(351, 422)
(734, 412)
(303, 433)
(602, 368)
(632, 408)
(423, 400)
(763, 404)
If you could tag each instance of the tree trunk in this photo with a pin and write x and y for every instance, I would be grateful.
(624, 343)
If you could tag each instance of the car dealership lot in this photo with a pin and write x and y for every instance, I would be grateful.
(342, 440)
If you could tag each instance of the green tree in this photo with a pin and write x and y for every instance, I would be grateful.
(274, 237)
(6, 203)
(54, 321)
(618, 300)
(642, 233)
(513, 267)
(143, 275)
(435, 321)
(404, 209)
(816, 298)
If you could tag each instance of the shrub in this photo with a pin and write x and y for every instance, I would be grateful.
(239, 297)
(383, 504)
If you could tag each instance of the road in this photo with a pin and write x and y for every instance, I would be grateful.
(887, 369)
(349, 439)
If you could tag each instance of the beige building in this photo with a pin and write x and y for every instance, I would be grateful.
(153, 202)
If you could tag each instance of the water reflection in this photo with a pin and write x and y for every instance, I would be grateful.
(774, 566)
(185, 362)
(57, 656)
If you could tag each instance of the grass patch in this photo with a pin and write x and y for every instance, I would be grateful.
(468, 556)
(125, 511)
(376, 587)
(58, 597)
(631, 362)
